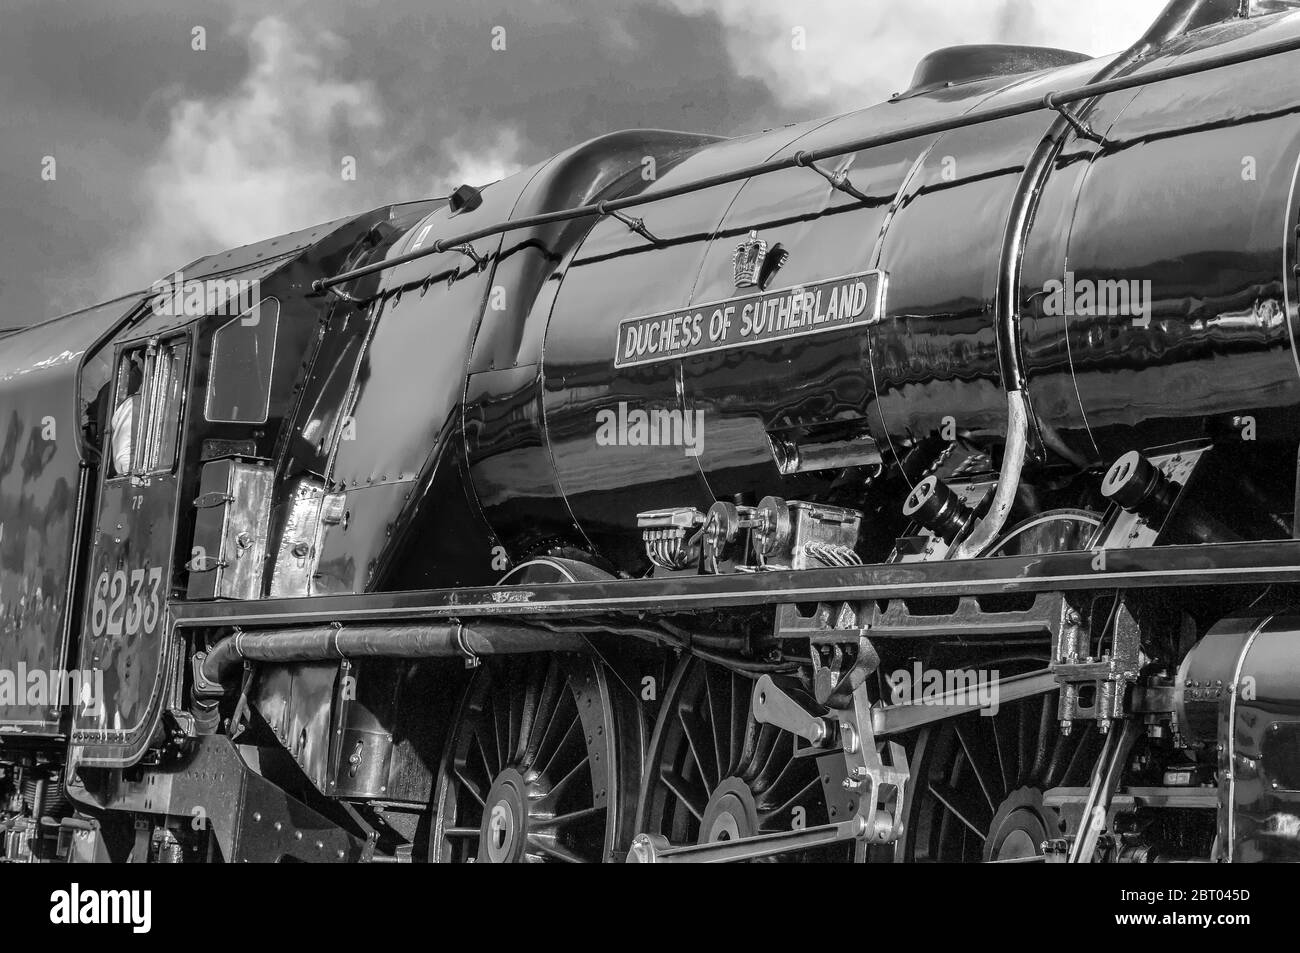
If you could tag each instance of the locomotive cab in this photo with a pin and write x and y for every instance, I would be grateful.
(193, 393)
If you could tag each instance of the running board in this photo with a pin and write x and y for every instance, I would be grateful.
(1219, 564)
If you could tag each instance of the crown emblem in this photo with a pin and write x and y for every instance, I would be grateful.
(751, 255)
(755, 262)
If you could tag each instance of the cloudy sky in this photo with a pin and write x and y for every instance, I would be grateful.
(137, 135)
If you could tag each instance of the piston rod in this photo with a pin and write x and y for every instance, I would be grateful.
(648, 849)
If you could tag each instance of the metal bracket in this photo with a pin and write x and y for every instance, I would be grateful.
(472, 659)
(205, 564)
(881, 788)
(341, 294)
(634, 224)
(204, 687)
(1081, 128)
(1108, 676)
(839, 179)
(209, 500)
(180, 728)
(470, 252)
(772, 705)
(239, 717)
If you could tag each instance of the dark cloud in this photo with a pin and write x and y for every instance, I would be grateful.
(117, 61)
(87, 83)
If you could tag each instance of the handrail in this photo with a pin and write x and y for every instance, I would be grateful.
(1051, 101)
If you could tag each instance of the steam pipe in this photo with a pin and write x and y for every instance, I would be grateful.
(325, 643)
(986, 531)
(215, 669)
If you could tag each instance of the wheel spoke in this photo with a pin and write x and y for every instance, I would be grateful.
(789, 775)
(740, 703)
(556, 851)
(974, 763)
(783, 809)
(766, 737)
(1042, 747)
(1081, 761)
(520, 700)
(489, 766)
(471, 788)
(564, 820)
(681, 789)
(1024, 737)
(530, 705)
(719, 711)
(951, 800)
(1003, 776)
(551, 696)
(777, 761)
(557, 730)
(697, 744)
(558, 790)
(574, 732)
(501, 728)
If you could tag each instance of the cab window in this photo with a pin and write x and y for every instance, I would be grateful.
(243, 353)
(144, 430)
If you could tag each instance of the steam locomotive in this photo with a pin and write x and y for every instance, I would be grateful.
(917, 484)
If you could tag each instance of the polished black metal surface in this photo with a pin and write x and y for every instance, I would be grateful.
(42, 498)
